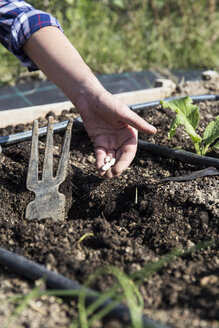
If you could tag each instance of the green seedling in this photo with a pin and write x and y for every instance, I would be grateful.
(86, 235)
(126, 288)
(188, 116)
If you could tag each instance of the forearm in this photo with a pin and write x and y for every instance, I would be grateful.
(111, 125)
(53, 53)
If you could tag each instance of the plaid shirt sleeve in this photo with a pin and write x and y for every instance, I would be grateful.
(18, 21)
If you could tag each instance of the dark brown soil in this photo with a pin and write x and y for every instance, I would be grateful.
(134, 220)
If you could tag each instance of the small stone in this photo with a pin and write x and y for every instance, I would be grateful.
(129, 249)
(136, 266)
(208, 280)
(41, 226)
(56, 150)
(190, 244)
(80, 256)
(91, 159)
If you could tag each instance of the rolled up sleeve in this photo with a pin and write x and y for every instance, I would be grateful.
(18, 21)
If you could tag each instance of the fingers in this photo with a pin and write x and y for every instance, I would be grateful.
(102, 158)
(124, 158)
(131, 118)
(124, 155)
(111, 153)
(123, 149)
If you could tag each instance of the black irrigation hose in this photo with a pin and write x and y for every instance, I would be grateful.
(182, 156)
(33, 271)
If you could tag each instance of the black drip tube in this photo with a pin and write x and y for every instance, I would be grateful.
(33, 271)
(180, 155)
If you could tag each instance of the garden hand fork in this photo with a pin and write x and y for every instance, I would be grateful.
(48, 202)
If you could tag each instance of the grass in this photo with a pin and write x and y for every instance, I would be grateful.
(125, 289)
(120, 35)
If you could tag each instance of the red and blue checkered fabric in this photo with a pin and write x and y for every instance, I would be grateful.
(18, 21)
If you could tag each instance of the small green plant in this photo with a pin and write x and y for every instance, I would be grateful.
(188, 115)
(85, 236)
(126, 289)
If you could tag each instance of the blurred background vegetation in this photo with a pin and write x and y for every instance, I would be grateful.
(120, 35)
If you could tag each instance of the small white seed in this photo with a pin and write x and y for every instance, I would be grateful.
(107, 159)
(112, 161)
(106, 166)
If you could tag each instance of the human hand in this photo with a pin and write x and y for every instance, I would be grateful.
(113, 130)
(111, 125)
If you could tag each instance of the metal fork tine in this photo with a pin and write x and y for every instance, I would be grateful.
(48, 160)
(32, 174)
(63, 162)
(48, 202)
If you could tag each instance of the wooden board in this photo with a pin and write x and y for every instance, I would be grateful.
(29, 114)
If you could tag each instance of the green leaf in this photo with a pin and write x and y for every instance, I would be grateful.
(211, 133)
(187, 115)
(118, 3)
(216, 145)
(175, 123)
